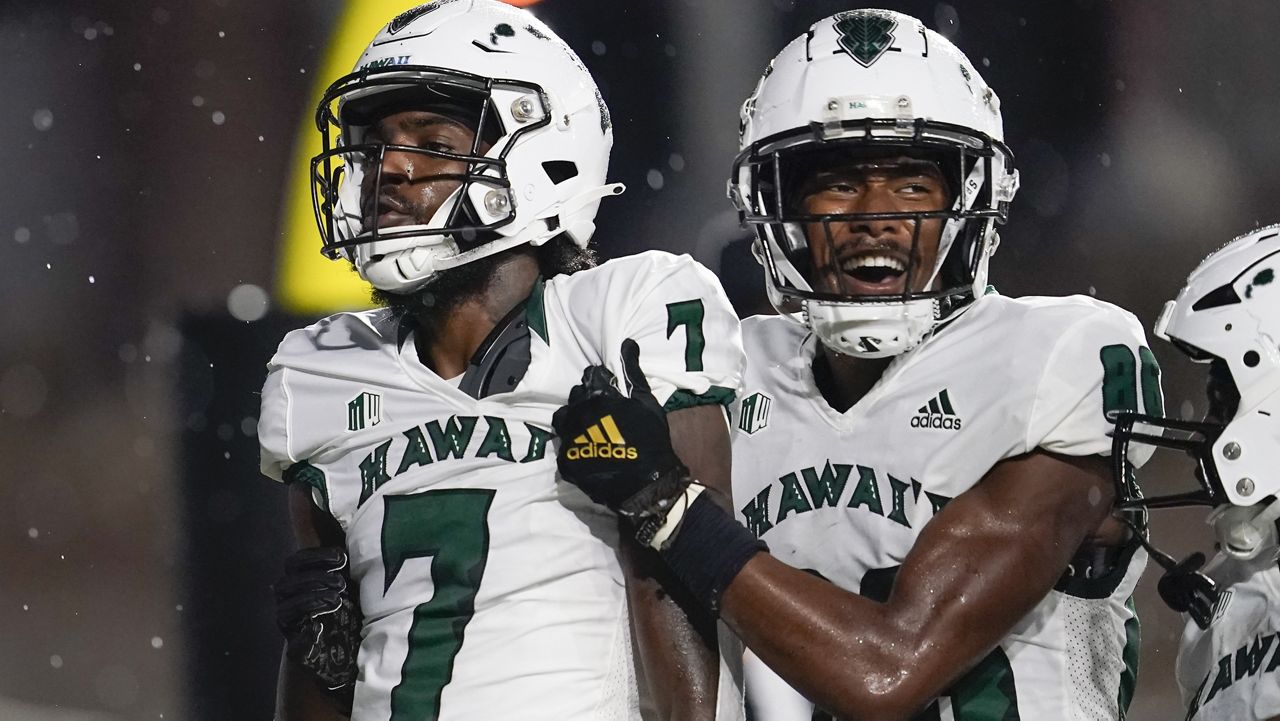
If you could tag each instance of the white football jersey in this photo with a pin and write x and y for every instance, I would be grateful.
(1231, 671)
(845, 495)
(490, 588)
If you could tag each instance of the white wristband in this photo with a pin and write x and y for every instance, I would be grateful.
(676, 514)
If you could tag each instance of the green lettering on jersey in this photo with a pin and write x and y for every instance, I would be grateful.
(826, 489)
(373, 472)
(1152, 399)
(793, 499)
(688, 313)
(1121, 373)
(899, 513)
(867, 493)
(537, 444)
(1194, 707)
(1249, 658)
(453, 439)
(1275, 657)
(1223, 680)
(451, 527)
(756, 513)
(938, 501)
(496, 440)
(416, 453)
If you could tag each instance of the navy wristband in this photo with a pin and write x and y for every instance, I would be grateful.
(709, 550)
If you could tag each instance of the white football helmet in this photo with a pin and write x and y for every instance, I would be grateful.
(876, 80)
(528, 94)
(1227, 315)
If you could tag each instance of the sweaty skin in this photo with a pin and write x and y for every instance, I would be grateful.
(977, 568)
(677, 649)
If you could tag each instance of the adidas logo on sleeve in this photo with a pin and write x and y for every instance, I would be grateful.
(937, 413)
(602, 440)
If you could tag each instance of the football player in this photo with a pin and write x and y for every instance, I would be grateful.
(1228, 316)
(923, 456)
(464, 160)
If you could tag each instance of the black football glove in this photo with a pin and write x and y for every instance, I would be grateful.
(618, 449)
(319, 615)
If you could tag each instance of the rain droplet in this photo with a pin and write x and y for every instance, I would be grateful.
(198, 101)
(676, 161)
(219, 117)
(248, 302)
(1105, 159)
(22, 235)
(42, 119)
(33, 533)
(655, 179)
(222, 33)
(598, 47)
(137, 66)
(91, 281)
(55, 660)
(157, 642)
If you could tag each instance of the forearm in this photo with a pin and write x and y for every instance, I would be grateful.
(676, 641)
(300, 698)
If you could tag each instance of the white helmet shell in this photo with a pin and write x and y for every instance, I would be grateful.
(545, 171)
(1230, 309)
(875, 77)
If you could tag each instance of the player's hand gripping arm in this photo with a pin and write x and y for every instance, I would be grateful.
(675, 635)
(300, 696)
(977, 568)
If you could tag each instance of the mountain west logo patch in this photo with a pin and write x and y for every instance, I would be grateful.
(865, 36)
(602, 440)
(364, 410)
(937, 413)
(755, 412)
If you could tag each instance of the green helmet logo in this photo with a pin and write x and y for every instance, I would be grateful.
(865, 36)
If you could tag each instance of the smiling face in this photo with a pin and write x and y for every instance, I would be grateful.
(868, 256)
(414, 185)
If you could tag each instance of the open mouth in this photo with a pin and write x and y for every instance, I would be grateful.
(876, 273)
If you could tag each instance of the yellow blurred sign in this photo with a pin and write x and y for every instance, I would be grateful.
(307, 283)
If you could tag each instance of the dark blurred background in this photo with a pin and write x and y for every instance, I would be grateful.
(147, 147)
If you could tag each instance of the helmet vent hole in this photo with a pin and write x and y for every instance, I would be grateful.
(1251, 359)
(560, 170)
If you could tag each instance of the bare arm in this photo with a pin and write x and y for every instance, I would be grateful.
(298, 696)
(677, 640)
(977, 568)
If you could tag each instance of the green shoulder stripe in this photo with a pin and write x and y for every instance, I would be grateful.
(715, 395)
(304, 472)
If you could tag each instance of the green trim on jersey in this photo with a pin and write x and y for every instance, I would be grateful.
(536, 312)
(1132, 644)
(715, 395)
(1080, 586)
(987, 693)
(304, 472)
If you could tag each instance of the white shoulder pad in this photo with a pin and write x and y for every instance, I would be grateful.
(674, 308)
(1099, 363)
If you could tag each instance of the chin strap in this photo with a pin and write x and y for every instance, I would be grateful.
(1184, 587)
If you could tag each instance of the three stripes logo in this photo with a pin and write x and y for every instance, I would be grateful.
(937, 413)
(602, 440)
